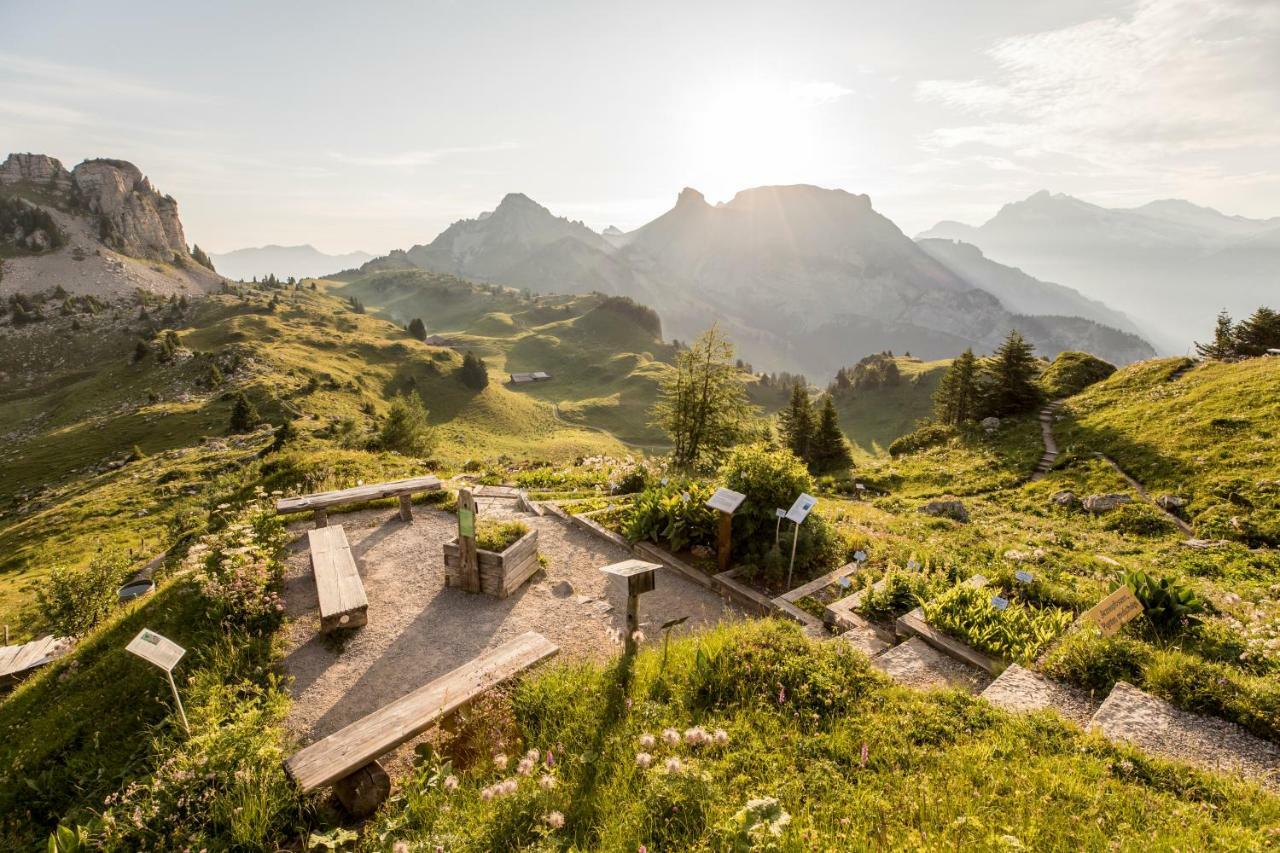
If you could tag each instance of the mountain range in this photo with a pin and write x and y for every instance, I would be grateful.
(1170, 265)
(304, 261)
(800, 277)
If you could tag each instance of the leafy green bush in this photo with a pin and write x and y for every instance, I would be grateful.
(406, 429)
(899, 591)
(929, 435)
(675, 514)
(73, 601)
(1072, 372)
(1018, 632)
(1138, 519)
(499, 536)
(1168, 605)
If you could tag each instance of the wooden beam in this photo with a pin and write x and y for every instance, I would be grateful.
(470, 570)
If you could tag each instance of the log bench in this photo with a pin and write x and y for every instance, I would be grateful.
(347, 759)
(342, 600)
(320, 502)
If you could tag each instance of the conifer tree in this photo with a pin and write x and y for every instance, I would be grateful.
(956, 399)
(474, 373)
(1223, 345)
(141, 351)
(1010, 379)
(1259, 333)
(418, 329)
(829, 451)
(703, 404)
(244, 416)
(796, 422)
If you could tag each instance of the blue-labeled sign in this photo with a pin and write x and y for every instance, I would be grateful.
(1023, 576)
(860, 556)
(800, 509)
(913, 565)
(999, 603)
(782, 513)
(844, 582)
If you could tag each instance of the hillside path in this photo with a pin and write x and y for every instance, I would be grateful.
(1050, 456)
(1146, 496)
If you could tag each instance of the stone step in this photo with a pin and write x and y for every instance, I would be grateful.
(1018, 689)
(866, 640)
(1153, 725)
(917, 664)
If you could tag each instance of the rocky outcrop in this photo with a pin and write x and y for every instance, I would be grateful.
(131, 216)
(1098, 504)
(946, 508)
(1064, 500)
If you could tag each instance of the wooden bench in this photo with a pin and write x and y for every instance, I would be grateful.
(320, 502)
(17, 661)
(342, 600)
(347, 758)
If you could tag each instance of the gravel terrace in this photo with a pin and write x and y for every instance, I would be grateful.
(419, 630)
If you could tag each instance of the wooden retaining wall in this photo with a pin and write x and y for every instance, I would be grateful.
(500, 574)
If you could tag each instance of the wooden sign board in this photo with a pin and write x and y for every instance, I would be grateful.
(801, 508)
(161, 651)
(726, 500)
(1113, 612)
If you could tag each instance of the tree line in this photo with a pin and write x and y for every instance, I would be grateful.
(1249, 338)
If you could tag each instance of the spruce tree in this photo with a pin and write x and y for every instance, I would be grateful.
(796, 422)
(829, 451)
(1223, 345)
(474, 373)
(1010, 375)
(244, 416)
(418, 329)
(1259, 333)
(141, 351)
(956, 399)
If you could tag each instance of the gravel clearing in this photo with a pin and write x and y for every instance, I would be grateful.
(419, 630)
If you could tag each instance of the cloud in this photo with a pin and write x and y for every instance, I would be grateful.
(819, 91)
(19, 72)
(1172, 81)
(409, 159)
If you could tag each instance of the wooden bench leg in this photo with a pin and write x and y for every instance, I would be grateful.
(406, 508)
(322, 518)
(364, 790)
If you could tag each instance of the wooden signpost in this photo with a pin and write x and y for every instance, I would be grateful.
(164, 653)
(470, 571)
(1113, 612)
(640, 578)
(725, 501)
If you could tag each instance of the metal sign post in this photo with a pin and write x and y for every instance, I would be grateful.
(725, 501)
(798, 513)
(164, 653)
(777, 528)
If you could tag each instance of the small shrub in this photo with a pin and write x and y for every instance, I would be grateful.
(244, 415)
(1168, 605)
(406, 429)
(1087, 659)
(1017, 633)
(73, 601)
(675, 514)
(1072, 372)
(1137, 519)
(499, 536)
(930, 435)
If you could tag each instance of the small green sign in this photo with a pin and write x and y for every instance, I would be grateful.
(466, 523)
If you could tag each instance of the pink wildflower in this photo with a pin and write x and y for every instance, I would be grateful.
(546, 782)
(674, 765)
(670, 737)
(500, 761)
(647, 741)
(643, 760)
(451, 783)
(863, 762)
(555, 820)
(721, 737)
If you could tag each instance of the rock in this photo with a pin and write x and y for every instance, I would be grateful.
(991, 424)
(1171, 503)
(40, 169)
(946, 508)
(701, 551)
(1204, 544)
(1066, 500)
(1105, 503)
(562, 589)
(364, 790)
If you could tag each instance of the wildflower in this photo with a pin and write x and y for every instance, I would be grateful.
(721, 737)
(546, 782)
(451, 783)
(500, 761)
(637, 636)
(670, 737)
(643, 760)
(400, 847)
(486, 794)
(647, 741)
(509, 786)
(674, 765)
(525, 767)
(782, 694)
(533, 755)
(555, 820)
(696, 736)
(551, 758)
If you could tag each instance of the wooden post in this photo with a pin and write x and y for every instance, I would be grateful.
(470, 570)
(640, 579)
(322, 517)
(633, 619)
(406, 507)
(726, 538)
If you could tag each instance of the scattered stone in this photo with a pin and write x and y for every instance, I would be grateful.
(562, 589)
(991, 424)
(1065, 500)
(1204, 544)
(1171, 503)
(946, 508)
(1098, 504)
(702, 552)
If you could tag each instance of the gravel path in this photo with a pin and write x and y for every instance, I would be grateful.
(419, 630)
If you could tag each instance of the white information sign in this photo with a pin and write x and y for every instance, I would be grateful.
(726, 500)
(801, 508)
(161, 651)
(782, 513)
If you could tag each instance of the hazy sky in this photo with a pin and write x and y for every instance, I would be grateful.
(374, 125)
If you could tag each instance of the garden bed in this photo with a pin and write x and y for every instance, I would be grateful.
(501, 572)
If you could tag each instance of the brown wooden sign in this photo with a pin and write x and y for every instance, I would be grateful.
(1113, 612)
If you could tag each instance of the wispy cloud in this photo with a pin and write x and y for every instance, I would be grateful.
(819, 91)
(1172, 79)
(78, 81)
(409, 159)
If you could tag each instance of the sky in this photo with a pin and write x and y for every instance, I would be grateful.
(374, 125)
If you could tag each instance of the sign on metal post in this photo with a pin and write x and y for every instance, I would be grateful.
(725, 501)
(798, 513)
(777, 528)
(164, 653)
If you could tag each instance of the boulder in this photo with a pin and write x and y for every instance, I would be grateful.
(991, 424)
(1171, 503)
(1105, 503)
(1065, 500)
(946, 508)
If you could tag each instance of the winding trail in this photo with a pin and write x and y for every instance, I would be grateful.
(1050, 446)
(1146, 496)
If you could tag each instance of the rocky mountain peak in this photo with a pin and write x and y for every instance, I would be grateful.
(690, 196)
(37, 169)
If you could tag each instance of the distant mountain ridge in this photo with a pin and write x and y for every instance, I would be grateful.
(305, 261)
(1169, 264)
(800, 277)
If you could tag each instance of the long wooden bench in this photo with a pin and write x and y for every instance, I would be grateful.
(320, 502)
(343, 603)
(347, 758)
(17, 661)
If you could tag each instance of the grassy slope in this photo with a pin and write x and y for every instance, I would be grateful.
(873, 418)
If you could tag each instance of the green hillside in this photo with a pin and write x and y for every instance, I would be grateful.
(873, 417)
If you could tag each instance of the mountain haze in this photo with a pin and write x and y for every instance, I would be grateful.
(304, 261)
(1170, 265)
(800, 277)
